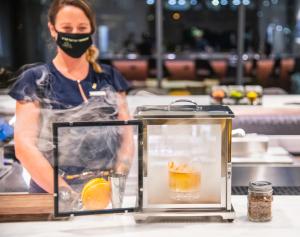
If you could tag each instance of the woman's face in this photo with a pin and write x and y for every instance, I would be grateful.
(71, 20)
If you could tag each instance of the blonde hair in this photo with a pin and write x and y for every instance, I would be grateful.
(92, 52)
(91, 56)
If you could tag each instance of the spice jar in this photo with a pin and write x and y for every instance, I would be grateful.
(260, 197)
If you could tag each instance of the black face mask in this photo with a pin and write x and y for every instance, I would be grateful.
(75, 45)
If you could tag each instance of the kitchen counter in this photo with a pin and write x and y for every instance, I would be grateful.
(286, 209)
(271, 104)
(286, 222)
(7, 104)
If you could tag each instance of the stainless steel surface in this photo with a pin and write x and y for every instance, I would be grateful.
(277, 175)
(14, 180)
(226, 154)
(224, 214)
(188, 115)
(4, 170)
(183, 111)
(1, 156)
(288, 142)
(277, 190)
(248, 146)
(228, 186)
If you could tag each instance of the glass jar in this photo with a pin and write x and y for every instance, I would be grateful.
(260, 197)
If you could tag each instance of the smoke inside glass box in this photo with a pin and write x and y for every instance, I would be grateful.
(183, 169)
(87, 154)
(188, 161)
(85, 157)
(186, 155)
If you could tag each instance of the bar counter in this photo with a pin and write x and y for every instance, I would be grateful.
(285, 222)
(286, 209)
(270, 102)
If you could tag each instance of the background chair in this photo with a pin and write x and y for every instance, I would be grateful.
(132, 70)
(220, 68)
(286, 67)
(264, 70)
(248, 68)
(181, 69)
(203, 69)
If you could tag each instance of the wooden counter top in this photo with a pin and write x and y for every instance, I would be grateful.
(24, 206)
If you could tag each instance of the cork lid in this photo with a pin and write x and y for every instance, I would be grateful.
(260, 186)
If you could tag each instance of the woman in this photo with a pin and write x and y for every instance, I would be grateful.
(66, 82)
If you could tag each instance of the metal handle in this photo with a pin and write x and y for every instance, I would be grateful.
(239, 132)
(182, 100)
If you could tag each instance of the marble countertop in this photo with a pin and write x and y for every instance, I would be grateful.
(286, 222)
(279, 104)
(7, 104)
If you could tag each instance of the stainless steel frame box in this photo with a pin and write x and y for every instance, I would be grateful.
(186, 160)
(180, 163)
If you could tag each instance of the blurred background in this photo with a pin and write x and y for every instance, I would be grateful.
(158, 43)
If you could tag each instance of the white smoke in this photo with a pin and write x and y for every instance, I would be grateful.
(81, 149)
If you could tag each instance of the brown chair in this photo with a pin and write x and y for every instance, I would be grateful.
(181, 69)
(286, 67)
(220, 68)
(264, 70)
(248, 68)
(132, 70)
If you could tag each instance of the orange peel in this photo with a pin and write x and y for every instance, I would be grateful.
(96, 194)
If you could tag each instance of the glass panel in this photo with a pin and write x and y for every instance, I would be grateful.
(272, 43)
(189, 165)
(1, 44)
(120, 32)
(126, 36)
(271, 26)
(200, 40)
(125, 30)
(5, 38)
(97, 167)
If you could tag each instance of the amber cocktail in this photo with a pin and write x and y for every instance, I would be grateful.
(184, 180)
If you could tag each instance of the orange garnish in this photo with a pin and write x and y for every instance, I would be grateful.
(96, 194)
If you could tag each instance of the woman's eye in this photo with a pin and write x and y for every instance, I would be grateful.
(82, 29)
(67, 29)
